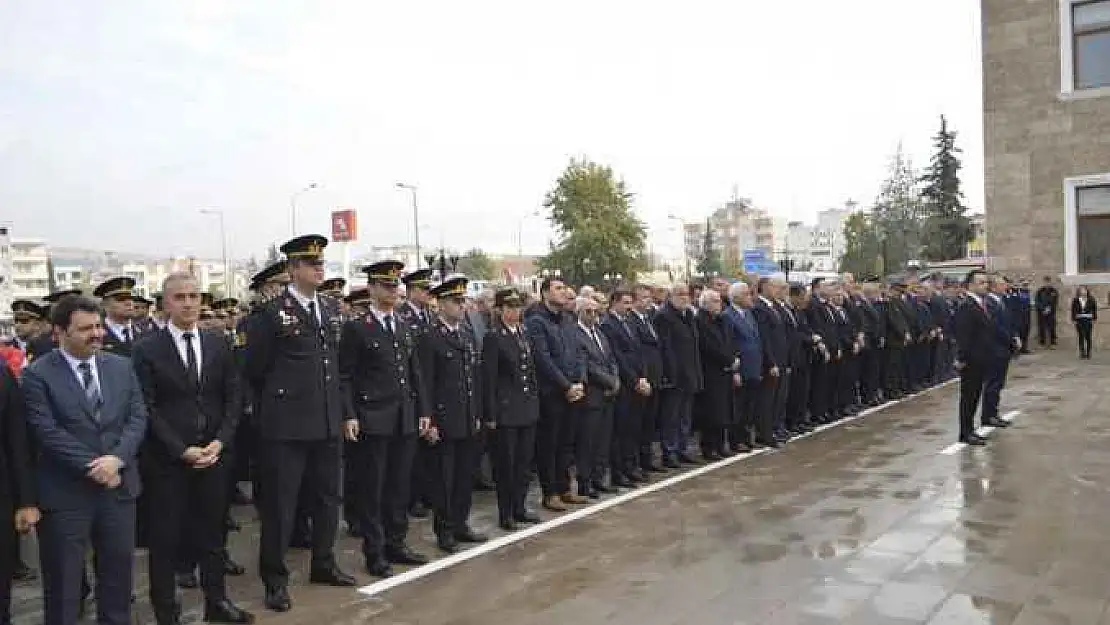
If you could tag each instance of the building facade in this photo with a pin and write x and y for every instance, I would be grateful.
(30, 273)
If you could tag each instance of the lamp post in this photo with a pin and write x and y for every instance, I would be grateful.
(223, 245)
(293, 207)
(682, 238)
(520, 231)
(415, 216)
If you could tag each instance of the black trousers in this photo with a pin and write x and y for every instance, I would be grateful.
(835, 378)
(971, 389)
(745, 405)
(425, 477)
(351, 501)
(797, 397)
(383, 479)
(624, 450)
(552, 432)
(994, 382)
(9, 559)
(1046, 328)
(847, 380)
(592, 425)
(191, 505)
(1083, 329)
(451, 471)
(649, 426)
(764, 418)
(285, 467)
(869, 385)
(512, 449)
(819, 388)
(782, 397)
(106, 525)
(895, 368)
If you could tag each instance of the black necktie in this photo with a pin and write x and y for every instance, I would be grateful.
(312, 313)
(92, 390)
(191, 367)
(126, 335)
(389, 324)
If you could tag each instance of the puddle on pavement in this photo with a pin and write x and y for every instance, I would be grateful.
(778, 513)
(755, 553)
(907, 495)
(831, 549)
(933, 432)
(871, 492)
(895, 475)
(838, 513)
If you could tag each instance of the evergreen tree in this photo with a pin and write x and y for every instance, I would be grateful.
(897, 214)
(591, 211)
(710, 261)
(946, 230)
(862, 246)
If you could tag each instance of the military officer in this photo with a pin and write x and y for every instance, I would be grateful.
(357, 304)
(512, 406)
(116, 299)
(416, 313)
(452, 379)
(142, 320)
(333, 287)
(31, 333)
(291, 362)
(387, 409)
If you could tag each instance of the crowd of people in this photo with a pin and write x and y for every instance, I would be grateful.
(123, 427)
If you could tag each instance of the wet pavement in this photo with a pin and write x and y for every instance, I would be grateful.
(881, 520)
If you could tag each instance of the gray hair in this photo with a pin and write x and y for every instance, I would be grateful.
(737, 289)
(176, 278)
(706, 296)
(581, 302)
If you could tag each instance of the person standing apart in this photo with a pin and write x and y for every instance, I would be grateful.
(975, 342)
(1084, 314)
(292, 363)
(191, 385)
(1047, 300)
(86, 413)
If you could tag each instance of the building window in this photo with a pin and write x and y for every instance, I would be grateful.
(1085, 45)
(1087, 229)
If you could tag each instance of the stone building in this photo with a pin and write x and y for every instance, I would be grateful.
(1046, 96)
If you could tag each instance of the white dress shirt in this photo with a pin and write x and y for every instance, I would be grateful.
(75, 365)
(178, 336)
(305, 301)
(118, 328)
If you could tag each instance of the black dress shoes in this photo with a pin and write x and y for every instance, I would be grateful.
(277, 599)
(527, 516)
(224, 611)
(447, 544)
(403, 555)
(24, 573)
(331, 577)
(231, 567)
(621, 481)
(187, 580)
(508, 525)
(467, 535)
(973, 439)
(996, 422)
(379, 568)
(418, 511)
(603, 489)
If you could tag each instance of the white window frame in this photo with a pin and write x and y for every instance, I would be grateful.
(1067, 57)
(1071, 230)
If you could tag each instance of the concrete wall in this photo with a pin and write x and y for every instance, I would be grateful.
(1035, 138)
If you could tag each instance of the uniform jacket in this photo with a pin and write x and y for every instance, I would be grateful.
(678, 338)
(292, 366)
(383, 377)
(182, 412)
(509, 375)
(453, 380)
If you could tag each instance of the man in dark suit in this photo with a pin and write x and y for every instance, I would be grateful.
(1006, 343)
(292, 363)
(640, 320)
(18, 493)
(593, 365)
(115, 298)
(749, 349)
(1047, 302)
(682, 375)
(453, 382)
(975, 344)
(627, 413)
(387, 408)
(191, 386)
(776, 360)
(86, 413)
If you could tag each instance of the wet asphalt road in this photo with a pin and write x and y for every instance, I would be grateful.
(879, 520)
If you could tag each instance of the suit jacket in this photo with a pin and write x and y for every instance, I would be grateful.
(69, 436)
(718, 358)
(593, 366)
(453, 380)
(17, 478)
(182, 412)
(383, 376)
(678, 337)
(626, 347)
(509, 378)
(772, 336)
(115, 345)
(292, 367)
(1090, 309)
(547, 332)
(1005, 328)
(40, 346)
(746, 343)
(975, 334)
(650, 347)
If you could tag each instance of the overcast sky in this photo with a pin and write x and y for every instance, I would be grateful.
(120, 119)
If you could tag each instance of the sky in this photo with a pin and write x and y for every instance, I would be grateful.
(121, 119)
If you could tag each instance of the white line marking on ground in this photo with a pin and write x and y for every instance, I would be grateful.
(494, 544)
(983, 431)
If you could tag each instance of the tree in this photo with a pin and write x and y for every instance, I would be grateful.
(477, 265)
(946, 229)
(597, 233)
(710, 261)
(898, 213)
(862, 246)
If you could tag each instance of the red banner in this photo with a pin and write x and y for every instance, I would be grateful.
(344, 226)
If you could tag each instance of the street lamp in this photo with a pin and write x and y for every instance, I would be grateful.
(415, 217)
(682, 238)
(520, 231)
(223, 244)
(293, 207)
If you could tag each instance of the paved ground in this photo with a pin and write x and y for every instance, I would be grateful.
(881, 520)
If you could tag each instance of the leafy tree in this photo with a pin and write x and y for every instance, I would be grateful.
(898, 213)
(946, 229)
(862, 246)
(477, 265)
(597, 232)
(710, 261)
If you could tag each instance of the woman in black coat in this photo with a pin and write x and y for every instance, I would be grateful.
(1084, 313)
(714, 403)
(512, 407)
